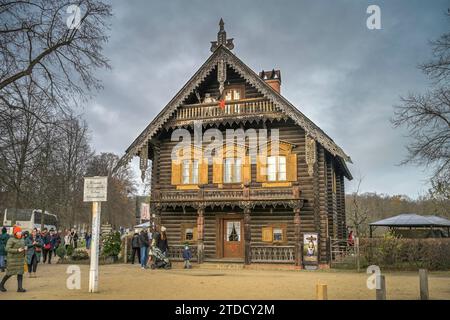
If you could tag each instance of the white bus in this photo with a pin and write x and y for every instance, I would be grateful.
(29, 219)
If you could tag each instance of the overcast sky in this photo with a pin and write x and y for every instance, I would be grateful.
(343, 76)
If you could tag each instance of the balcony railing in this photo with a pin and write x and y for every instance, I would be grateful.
(232, 108)
(273, 254)
(217, 195)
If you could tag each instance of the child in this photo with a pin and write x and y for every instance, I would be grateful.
(187, 255)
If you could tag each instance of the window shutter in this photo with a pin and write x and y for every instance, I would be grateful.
(203, 172)
(261, 169)
(246, 171)
(291, 167)
(218, 171)
(195, 234)
(267, 235)
(176, 173)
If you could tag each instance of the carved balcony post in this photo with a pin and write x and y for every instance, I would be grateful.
(247, 235)
(298, 240)
(200, 233)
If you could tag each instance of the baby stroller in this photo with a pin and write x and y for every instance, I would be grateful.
(159, 260)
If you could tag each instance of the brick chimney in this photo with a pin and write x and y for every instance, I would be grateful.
(272, 78)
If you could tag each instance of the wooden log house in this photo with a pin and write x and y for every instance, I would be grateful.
(235, 210)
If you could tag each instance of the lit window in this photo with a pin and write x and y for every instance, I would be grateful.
(282, 168)
(272, 168)
(188, 176)
(195, 172)
(232, 170)
(237, 171)
(186, 171)
(276, 168)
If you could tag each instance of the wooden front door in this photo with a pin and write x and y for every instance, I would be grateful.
(233, 240)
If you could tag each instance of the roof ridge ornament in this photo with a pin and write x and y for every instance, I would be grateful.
(222, 38)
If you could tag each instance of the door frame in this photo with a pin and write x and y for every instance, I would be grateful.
(220, 218)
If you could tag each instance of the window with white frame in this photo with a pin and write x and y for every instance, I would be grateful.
(189, 174)
(232, 170)
(276, 168)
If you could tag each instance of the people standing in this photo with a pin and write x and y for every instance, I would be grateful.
(47, 249)
(135, 248)
(56, 242)
(87, 238)
(75, 239)
(34, 245)
(162, 243)
(67, 239)
(15, 249)
(3, 240)
(144, 243)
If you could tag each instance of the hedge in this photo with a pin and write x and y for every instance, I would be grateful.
(398, 253)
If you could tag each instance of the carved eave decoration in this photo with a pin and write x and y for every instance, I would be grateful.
(222, 56)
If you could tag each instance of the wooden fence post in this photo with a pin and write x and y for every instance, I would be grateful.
(423, 276)
(357, 253)
(381, 287)
(321, 291)
(125, 254)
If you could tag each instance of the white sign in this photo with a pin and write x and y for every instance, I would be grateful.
(95, 189)
(145, 211)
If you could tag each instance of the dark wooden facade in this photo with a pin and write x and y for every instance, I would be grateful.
(310, 200)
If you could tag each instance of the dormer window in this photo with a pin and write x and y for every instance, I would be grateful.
(234, 93)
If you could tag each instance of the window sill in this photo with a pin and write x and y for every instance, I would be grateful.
(188, 187)
(276, 184)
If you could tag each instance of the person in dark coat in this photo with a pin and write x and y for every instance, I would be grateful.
(187, 256)
(56, 241)
(144, 243)
(15, 249)
(34, 246)
(87, 238)
(47, 249)
(162, 243)
(3, 240)
(75, 240)
(136, 248)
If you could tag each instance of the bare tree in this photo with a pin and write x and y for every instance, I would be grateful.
(54, 49)
(357, 212)
(120, 207)
(427, 118)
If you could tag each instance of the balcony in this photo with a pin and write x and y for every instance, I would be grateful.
(243, 107)
(257, 195)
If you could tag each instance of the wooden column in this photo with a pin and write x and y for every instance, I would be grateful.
(298, 238)
(247, 236)
(200, 233)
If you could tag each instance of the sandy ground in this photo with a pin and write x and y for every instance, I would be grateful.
(122, 281)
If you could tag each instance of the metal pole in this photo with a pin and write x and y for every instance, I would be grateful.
(381, 287)
(93, 271)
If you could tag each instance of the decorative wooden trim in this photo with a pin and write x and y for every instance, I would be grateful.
(276, 184)
(225, 55)
(188, 187)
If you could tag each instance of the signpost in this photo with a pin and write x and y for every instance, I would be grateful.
(95, 191)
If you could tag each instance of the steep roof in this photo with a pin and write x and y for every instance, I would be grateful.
(223, 55)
